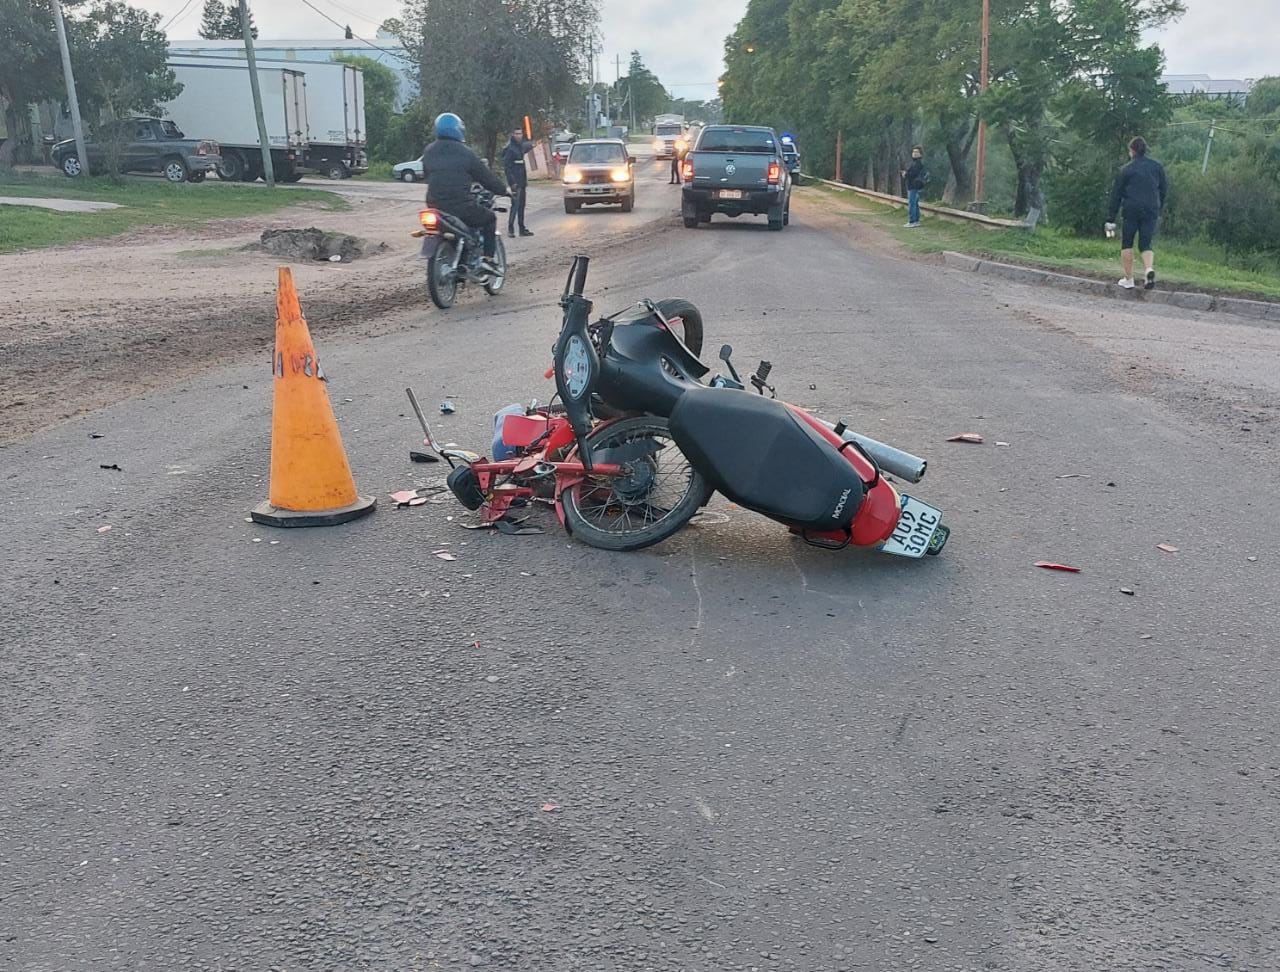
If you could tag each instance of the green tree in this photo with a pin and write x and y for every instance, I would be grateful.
(119, 55)
(30, 69)
(647, 94)
(494, 61)
(381, 89)
(1264, 99)
(221, 21)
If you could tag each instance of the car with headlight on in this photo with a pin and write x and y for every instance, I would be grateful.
(599, 170)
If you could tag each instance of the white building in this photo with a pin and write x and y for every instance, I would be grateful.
(1186, 84)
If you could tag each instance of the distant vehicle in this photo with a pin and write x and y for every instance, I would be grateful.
(791, 155)
(217, 99)
(157, 145)
(599, 170)
(668, 132)
(410, 171)
(735, 169)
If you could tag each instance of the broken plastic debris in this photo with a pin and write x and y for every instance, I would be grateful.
(416, 456)
(402, 497)
(1074, 476)
(550, 807)
(1050, 565)
(1167, 547)
(418, 501)
(445, 555)
(1005, 444)
(112, 465)
(447, 407)
(103, 529)
(1127, 590)
(967, 437)
(95, 435)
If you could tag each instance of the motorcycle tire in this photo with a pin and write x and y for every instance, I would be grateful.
(588, 504)
(493, 285)
(692, 317)
(442, 284)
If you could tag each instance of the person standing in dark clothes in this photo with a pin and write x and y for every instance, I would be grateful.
(1140, 193)
(678, 153)
(917, 177)
(450, 169)
(518, 179)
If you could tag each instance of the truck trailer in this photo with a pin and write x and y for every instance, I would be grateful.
(217, 102)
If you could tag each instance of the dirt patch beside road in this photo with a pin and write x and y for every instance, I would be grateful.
(88, 325)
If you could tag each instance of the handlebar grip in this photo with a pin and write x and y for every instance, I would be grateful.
(763, 371)
(580, 274)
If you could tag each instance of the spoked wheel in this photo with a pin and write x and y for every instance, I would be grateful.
(658, 495)
(495, 282)
(442, 284)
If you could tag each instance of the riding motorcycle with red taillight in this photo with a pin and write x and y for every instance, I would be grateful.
(454, 253)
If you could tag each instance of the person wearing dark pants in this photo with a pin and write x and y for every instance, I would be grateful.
(518, 179)
(917, 176)
(450, 169)
(1140, 193)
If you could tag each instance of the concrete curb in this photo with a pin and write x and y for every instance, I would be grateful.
(1257, 310)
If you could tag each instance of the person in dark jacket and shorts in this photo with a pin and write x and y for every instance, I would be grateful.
(1140, 193)
(917, 177)
(450, 169)
(518, 179)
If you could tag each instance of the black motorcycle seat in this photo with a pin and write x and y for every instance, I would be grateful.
(763, 456)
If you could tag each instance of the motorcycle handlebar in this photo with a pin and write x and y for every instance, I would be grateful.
(579, 275)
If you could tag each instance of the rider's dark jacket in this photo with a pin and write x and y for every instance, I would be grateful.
(450, 168)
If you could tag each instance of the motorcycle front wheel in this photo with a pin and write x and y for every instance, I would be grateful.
(495, 282)
(656, 497)
(442, 283)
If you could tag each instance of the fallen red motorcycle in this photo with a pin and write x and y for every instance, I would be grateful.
(639, 444)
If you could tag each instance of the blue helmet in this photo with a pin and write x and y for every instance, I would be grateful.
(449, 125)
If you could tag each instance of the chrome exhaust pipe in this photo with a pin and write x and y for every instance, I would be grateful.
(893, 461)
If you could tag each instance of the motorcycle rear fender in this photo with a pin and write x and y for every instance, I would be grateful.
(877, 517)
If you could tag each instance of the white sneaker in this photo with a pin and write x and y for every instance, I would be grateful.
(1126, 283)
(910, 225)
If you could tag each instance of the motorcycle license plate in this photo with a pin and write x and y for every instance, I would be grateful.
(730, 193)
(917, 525)
(429, 245)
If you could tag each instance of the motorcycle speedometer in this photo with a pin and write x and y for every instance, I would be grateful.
(576, 367)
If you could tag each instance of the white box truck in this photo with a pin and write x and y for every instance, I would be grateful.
(336, 139)
(217, 101)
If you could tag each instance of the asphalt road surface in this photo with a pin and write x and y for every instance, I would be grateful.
(227, 747)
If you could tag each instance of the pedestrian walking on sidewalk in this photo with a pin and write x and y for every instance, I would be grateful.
(518, 179)
(1140, 193)
(917, 177)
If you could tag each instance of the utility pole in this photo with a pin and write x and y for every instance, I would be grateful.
(77, 127)
(1213, 122)
(264, 140)
(839, 154)
(617, 74)
(984, 71)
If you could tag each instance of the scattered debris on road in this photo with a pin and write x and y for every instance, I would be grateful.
(104, 529)
(1167, 547)
(972, 437)
(447, 407)
(1050, 565)
(550, 807)
(1127, 590)
(113, 466)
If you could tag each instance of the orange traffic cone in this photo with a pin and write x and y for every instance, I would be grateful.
(311, 483)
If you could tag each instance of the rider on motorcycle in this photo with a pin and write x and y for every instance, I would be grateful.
(450, 169)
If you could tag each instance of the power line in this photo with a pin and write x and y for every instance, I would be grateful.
(356, 36)
(178, 16)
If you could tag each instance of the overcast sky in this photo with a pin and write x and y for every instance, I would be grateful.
(682, 40)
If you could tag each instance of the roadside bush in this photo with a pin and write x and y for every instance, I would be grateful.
(1077, 190)
(1237, 206)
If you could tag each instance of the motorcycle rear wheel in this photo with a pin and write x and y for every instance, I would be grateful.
(659, 496)
(442, 284)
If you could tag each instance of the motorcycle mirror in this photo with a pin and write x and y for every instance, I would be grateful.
(726, 352)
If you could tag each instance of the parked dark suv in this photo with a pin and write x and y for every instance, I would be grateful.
(156, 146)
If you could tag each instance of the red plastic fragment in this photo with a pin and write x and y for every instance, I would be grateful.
(1049, 565)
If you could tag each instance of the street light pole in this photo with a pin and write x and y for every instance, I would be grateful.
(77, 127)
(984, 72)
(264, 140)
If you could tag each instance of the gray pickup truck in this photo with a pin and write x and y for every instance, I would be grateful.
(736, 169)
(156, 145)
